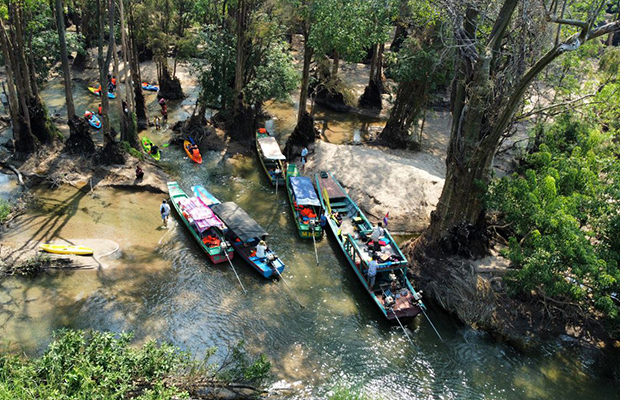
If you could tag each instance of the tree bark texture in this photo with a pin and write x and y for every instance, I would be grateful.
(241, 16)
(481, 117)
(104, 66)
(134, 62)
(305, 78)
(410, 100)
(64, 57)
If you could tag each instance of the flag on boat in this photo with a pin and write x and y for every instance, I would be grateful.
(385, 219)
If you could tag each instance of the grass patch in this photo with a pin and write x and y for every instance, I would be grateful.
(133, 152)
(5, 210)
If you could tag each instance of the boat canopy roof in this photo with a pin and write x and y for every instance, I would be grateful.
(270, 148)
(203, 216)
(238, 221)
(206, 197)
(304, 192)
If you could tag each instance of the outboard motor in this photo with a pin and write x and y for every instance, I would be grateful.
(271, 257)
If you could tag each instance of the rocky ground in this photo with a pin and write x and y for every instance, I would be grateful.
(407, 185)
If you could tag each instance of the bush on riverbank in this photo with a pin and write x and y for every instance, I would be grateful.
(5, 210)
(564, 222)
(80, 364)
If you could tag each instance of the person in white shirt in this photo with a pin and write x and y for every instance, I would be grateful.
(164, 209)
(261, 249)
(377, 233)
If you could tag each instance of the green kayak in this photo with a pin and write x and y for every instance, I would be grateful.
(148, 144)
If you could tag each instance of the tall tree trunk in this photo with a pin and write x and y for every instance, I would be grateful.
(104, 66)
(60, 23)
(24, 139)
(305, 77)
(373, 64)
(240, 54)
(371, 98)
(410, 99)
(127, 77)
(335, 64)
(140, 103)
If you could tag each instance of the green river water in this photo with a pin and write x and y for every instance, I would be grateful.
(161, 286)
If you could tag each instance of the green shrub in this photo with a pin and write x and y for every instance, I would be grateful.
(100, 365)
(133, 152)
(563, 210)
(5, 210)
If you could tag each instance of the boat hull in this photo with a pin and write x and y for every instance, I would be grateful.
(355, 264)
(214, 254)
(260, 267)
(270, 165)
(304, 230)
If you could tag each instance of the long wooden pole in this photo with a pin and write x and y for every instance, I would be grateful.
(224, 247)
(289, 288)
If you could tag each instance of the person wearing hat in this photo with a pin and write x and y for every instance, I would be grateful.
(164, 209)
(261, 248)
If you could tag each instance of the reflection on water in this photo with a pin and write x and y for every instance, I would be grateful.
(161, 286)
(334, 127)
(8, 186)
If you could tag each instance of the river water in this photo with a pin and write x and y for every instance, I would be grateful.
(161, 286)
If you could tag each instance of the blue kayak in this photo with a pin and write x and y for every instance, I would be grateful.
(150, 88)
(93, 120)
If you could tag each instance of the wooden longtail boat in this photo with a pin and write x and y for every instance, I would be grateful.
(304, 202)
(244, 233)
(271, 158)
(392, 292)
(204, 225)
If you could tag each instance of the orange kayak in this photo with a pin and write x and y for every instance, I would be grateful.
(197, 158)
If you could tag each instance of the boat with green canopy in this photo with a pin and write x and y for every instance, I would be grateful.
(270, 157)
(392, 291)
(305, 203)
(206, 228)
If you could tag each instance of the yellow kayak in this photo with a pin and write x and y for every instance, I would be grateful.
(67, 249)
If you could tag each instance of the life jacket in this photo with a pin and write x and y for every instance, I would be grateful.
(100, 110)
(195, 152)
(262, 130)
(211, 241)
(114, 81)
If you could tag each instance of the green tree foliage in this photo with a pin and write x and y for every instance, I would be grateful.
(564, 212)
(349, 27)
(78, 365)
(269, 73)
(40, 33)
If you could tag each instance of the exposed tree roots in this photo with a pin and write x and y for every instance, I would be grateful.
(304, 134)
(80, 140)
